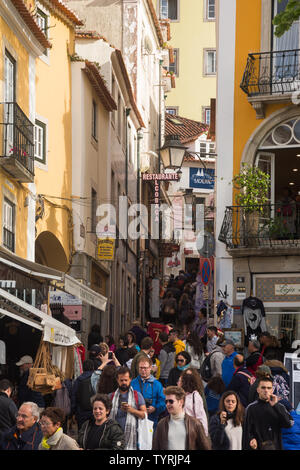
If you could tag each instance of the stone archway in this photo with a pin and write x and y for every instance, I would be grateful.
(250, 150)
(49, 252)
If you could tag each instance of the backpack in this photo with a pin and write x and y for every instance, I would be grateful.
(84, 393)
(62, 400)
(205, 370)
(281, 387)
(251, 378)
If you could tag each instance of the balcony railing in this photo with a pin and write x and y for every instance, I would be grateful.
(271, 225)
(272, 73)
(16, 142)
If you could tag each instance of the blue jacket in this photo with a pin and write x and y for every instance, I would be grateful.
(228, 368)
(151, 389)
(291, 436)
(29, 440)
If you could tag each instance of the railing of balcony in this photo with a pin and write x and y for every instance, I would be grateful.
(271, 225)
(16, 135)
(269, 73)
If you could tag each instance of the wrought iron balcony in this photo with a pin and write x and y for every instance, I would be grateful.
(271, 226)
(271, 77)
(269, 73)
(16, 142)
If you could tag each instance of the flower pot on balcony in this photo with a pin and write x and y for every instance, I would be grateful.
(252, 228)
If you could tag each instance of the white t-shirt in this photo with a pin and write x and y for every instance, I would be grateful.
(234, 434)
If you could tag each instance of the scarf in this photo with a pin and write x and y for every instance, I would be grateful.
(130, 426)
(47, 442)
(183, 367)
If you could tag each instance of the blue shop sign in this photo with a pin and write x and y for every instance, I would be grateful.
(202, 178)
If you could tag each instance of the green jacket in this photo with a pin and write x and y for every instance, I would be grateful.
(111, 439)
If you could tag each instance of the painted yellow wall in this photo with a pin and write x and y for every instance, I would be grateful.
(16, 190)
(248, 39)
(192, 34)
(53, 102)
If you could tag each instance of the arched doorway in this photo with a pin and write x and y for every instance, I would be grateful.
(49, 252)
(275, 148)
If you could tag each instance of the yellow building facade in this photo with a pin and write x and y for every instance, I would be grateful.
(53, 139)
(193, 39)
(37, 43)
(258, 122)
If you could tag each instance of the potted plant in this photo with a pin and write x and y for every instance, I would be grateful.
(253, 187)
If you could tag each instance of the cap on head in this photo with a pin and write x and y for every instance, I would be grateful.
(265, 370)
(95, 349)
(25, 360)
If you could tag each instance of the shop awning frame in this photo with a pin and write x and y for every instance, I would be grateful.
(54, 331)
(67, 283)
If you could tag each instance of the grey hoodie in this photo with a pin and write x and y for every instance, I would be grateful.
(166, 358)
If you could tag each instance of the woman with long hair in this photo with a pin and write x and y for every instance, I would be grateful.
(226, 427)
(131, 341)
(194, 346)
(107, 382)
(111, 343)
(213, 392)
(192, 384)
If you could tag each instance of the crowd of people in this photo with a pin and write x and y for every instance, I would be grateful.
(192, 388)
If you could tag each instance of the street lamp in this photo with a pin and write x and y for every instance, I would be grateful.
(189, 196)
(172, 152)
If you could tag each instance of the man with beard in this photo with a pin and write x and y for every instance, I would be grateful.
(128, 406)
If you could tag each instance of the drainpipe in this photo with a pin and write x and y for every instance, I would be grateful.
(138, 201)
(126, 178)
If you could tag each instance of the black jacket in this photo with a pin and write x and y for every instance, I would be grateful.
(27, 394)
(29, 440)
(8, 412)
(111, 439)
(219, 438)
(263, 422)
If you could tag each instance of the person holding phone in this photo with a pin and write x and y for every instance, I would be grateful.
(128, 406)
(226, 427)
(106, 357)
(264, 419)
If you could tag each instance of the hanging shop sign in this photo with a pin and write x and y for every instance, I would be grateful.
(72, 305)
(105, 249)
(202, 178)
(166, 250)
(84, 293)
(160, 176)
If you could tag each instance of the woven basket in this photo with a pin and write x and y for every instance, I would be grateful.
(41, 375)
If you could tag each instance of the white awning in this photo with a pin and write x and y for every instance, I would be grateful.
(66, 282)
(84, 293)
(55, 331)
